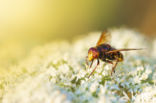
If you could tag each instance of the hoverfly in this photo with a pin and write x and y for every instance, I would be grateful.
(105, 52)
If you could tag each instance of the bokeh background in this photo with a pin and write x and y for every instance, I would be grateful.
(25, 24)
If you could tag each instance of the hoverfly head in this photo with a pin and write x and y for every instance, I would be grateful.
(92, 54)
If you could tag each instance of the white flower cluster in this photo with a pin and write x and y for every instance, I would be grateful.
(57, 73)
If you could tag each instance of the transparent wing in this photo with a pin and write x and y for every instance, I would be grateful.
(123, 50)
(104, 38)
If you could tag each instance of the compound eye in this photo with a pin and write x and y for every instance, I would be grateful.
(90, 56)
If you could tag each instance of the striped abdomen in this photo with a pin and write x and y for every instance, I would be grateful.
(110, 56)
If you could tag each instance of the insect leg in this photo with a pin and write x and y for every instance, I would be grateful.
(108, 61)
(114, 66)
(94, 68)
(91, 64)
(87, 60)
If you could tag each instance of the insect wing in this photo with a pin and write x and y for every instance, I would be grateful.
(104, 38)
(123, 50)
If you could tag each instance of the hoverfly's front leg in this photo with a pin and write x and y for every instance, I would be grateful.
(87, 60)
(91, 64)
(94, 68)
(114, 66)
(88, 63)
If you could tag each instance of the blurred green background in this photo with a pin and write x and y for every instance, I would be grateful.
(25, 24)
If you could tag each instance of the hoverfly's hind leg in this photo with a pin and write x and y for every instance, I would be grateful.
(94, 68)
(114, 66)
(108, 61)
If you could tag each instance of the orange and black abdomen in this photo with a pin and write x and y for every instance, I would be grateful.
(103, 48)
(115, 56)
